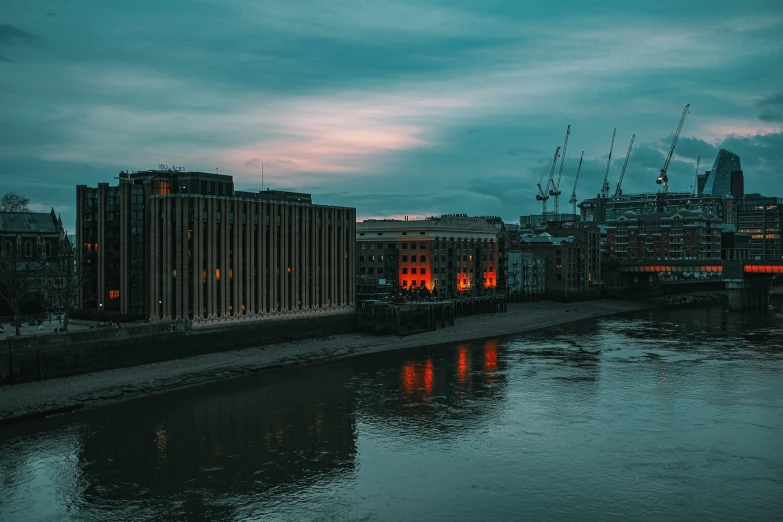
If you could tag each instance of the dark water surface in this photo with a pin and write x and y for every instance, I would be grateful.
(664, 415)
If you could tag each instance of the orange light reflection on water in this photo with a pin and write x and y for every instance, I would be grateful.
(462, 364)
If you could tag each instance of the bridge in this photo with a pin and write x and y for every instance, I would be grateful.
(747, 281)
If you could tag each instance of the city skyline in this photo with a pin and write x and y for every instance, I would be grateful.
(392, 108)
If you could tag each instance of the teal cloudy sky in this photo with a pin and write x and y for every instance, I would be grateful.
(394, 107)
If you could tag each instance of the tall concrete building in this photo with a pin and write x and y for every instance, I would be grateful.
(450, 254)
(762, 218)
(169, 244)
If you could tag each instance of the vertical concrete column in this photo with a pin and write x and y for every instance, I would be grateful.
(180, 249)
(225, 238)
(296, 268)
(197, 253)
(248, 259)
(168, 296)
(149, 240)
(211, 296)
(285, 277)
(352, 258)
(261, 259)
(124, 195)
(333, 257)
(274, 264)
(236, 262)
(101, 245)
(307, 248)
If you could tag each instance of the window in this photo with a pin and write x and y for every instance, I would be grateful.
(423, 283)
(362, 246)
(114, 294)
(372, 269)
(464, 258)
(217, 274)
(380, 269)
(404, 245)
(435, 270)
(361, 270)
(423, 245)
(404, 282)
(28, 249)
(361, 259)
(372, 246)
(422, 259)
(423, 271)
(405, 259)
(413, 259)
(413, 283)
(391, 246)
(380, 246)
(413, 270)
(405, 270)
(404, 234)
(443, 258)
(372, 258)
(422, 232)
(413, 245)
(380, 258)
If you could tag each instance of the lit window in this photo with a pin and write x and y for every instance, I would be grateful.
(404, 282)
(114, 294)
(217, 274)
(413, 270)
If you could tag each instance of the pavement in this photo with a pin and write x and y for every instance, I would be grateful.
(47, 327)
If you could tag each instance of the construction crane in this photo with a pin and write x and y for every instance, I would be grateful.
(696, 179)
(619, 191)
(576, 180)
(605, 187)
(554, 190)
(663, 179)
(542, 195)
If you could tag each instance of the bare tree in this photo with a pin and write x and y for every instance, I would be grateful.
(16, 282)
(13, 202)
(65, 290)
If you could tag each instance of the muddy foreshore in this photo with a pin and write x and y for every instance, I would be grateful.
(24, 401)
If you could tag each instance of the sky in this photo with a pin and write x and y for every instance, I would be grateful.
(393, 107)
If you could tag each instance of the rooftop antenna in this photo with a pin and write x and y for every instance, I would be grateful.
(262, 177)
(217, 170)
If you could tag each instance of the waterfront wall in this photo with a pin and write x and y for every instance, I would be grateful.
(39, 357)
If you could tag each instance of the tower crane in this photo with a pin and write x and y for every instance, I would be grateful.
(696, 179)
(663, 179)
(605, 187)
(619, 191)
(576, 180)
(555, 188)
(542, 195)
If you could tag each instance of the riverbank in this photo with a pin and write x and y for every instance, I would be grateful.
(95, 389)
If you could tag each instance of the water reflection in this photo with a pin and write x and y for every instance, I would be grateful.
(568, 416)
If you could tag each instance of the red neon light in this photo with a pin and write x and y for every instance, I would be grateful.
(764, 269)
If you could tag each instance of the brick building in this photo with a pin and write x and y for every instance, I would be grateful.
(526, 275)
(450, 254)
(677, 235)
(565, 267)
(169, 244)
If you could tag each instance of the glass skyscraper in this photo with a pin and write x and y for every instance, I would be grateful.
(726, 177)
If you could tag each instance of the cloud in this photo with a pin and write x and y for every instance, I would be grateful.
(10, 35)
(771, 107)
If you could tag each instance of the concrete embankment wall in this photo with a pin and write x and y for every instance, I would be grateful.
(47, 356)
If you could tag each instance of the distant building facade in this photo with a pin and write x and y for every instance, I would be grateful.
(678, 235)
(565, 267)
(169, 244)
(762, 218)
(449, 254)
(526, 275)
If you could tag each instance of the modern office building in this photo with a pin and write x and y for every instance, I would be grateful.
(449, 254)
(762, 218)
(726, 177)
(678, 235)
(169, 244)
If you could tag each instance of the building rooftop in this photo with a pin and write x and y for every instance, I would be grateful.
(28, 222)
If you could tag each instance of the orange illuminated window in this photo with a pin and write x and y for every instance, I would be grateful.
(114, 294)
(96, 247)
(217, 274)
(88, 246)
(230, 273)
(190, 234)
(204, 276)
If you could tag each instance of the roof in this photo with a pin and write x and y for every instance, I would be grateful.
(31, 222)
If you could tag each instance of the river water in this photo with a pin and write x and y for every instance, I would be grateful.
(661, 415)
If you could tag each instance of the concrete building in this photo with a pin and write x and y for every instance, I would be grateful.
(169, 244)
(762, 218)
(678, 235)
(602, 210)
(449, 254)
(566, 273)
(526, 275)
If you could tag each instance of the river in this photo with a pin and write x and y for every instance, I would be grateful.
(673, 414)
